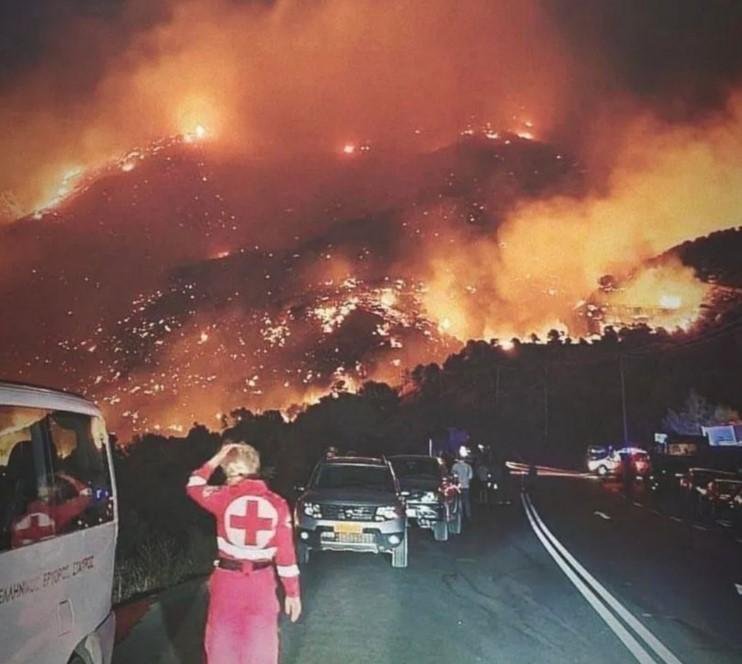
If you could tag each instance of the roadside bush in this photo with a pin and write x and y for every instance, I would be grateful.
(161, 562)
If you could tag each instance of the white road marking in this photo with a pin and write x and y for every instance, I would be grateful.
(565, 559)
(738, 586)
(697, 527)
(618, 629)
(676, 518)
(638, 505)
(602, 515)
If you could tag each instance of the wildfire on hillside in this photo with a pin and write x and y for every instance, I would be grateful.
(340, 210)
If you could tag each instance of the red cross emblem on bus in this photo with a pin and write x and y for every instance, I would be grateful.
(250, 521)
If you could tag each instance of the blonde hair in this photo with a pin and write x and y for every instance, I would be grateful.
(242, 460)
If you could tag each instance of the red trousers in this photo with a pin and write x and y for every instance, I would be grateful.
(242, 624)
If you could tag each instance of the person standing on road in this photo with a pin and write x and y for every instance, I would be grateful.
(483, 479)
(505, 483)
(254, 541)
(627, 474)
(463, 473)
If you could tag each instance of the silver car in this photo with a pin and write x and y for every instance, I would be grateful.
(352, 504)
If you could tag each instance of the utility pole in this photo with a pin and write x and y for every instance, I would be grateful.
(546, 404)
(497, 396)
(624, 414)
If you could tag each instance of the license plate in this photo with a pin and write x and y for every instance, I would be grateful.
(348, 528)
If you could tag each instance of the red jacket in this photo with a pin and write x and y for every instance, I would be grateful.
(252, 523)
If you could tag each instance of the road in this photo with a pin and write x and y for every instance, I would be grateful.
(497, 594)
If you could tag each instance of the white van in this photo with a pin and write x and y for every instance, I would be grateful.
(602, 460)
(58, 528)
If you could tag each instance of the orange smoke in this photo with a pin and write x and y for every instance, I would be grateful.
(668, 184)
(292, 77)
(667, 295)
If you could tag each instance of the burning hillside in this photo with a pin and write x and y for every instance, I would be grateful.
(268, 327)
(345, 192)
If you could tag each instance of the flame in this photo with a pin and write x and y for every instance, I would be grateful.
(65, 185)
(669, 183)
(273, 74)
(198, 133)
(668, 301)
(669, 295)
(387, 297)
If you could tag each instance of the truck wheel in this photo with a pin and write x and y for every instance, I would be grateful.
(399, 554)
(440, 531)
(302, 553)
(455, 526)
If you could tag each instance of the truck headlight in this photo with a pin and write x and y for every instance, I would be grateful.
(429, 497)
(313, 510)
(388, 512)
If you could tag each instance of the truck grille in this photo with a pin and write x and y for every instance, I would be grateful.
(349, 538)
(347, 513)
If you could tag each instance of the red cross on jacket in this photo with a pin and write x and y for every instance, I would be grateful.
(252, 523)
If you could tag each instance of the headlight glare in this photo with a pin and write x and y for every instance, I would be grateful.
(429, 497)
(388, 512)
(313, 510)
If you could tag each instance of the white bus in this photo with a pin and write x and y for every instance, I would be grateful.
(58, 529)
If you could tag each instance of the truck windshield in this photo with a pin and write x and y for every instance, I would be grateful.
(332, 476)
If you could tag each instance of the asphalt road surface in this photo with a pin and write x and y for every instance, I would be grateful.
(571, 572)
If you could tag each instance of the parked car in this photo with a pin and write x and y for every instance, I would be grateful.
(641, 465)
(667, 472)
(352, 504)
(736, 510)
(722, 493)
(58, 529)
(696, 485)
(432, 497)
(602, 460)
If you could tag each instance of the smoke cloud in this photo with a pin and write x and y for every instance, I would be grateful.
(668, 183)
(288, 77)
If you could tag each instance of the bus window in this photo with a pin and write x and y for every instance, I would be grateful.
(82, 488)
(54, 475)
(23, 476)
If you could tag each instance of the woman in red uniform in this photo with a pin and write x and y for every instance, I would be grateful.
(255, 542)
